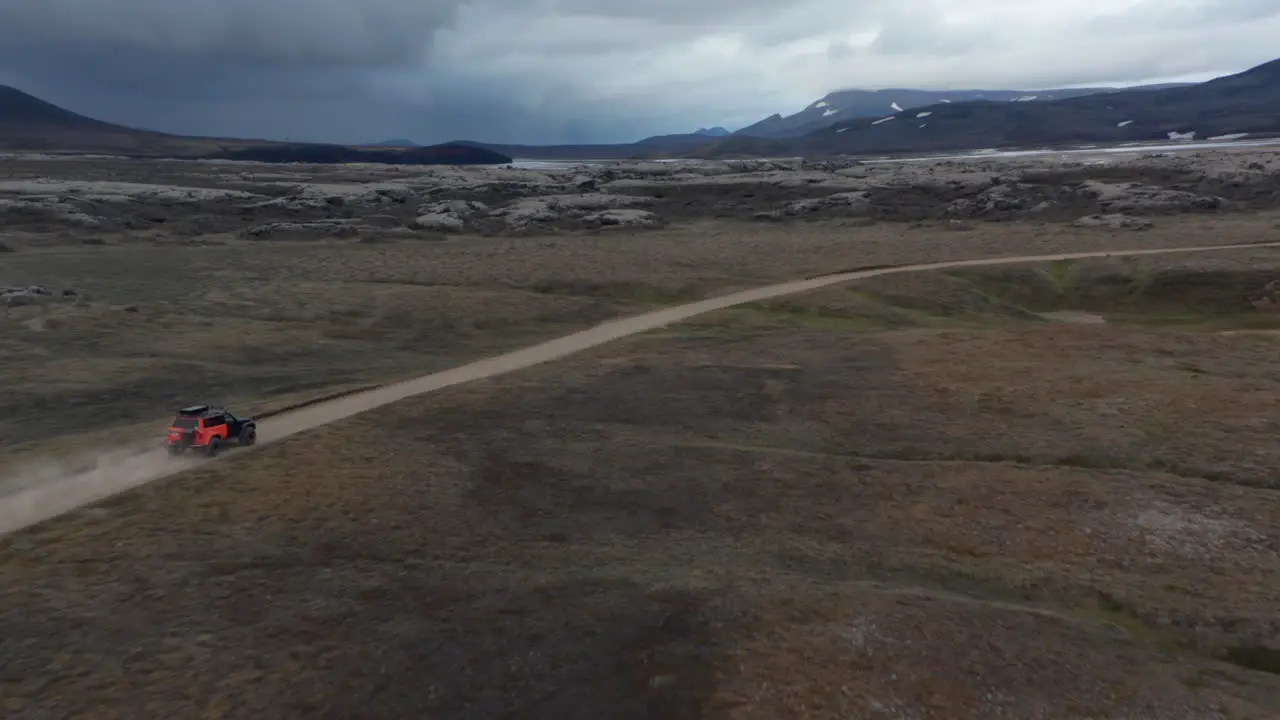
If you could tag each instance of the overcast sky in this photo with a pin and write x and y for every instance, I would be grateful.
(546, 71)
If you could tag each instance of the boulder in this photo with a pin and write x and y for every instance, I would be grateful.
(461, 208)
(858, 201)
(445, 222)
(1004, 197)
(1270, 297)
(624, 217)
(22, 299)
(1114, 221)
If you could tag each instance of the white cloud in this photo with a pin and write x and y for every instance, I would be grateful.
(755, 58)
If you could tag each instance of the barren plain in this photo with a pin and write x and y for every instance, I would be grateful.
(1026, 491)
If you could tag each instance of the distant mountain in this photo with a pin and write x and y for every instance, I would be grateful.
(447, 154)
(31, 124)
(620, 151)
(1244, 103)
(1247, 102)
(674, 143)
(851, 104)
(827, 112)
(20, 111)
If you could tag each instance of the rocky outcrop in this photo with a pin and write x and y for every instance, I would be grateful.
(37, 295)
(1269, 299)
(441, 222)
(529, 213)
(375, 202)
(448, 216)
(53, 210)
(1136, 197)
(42, 190)
(852, 201)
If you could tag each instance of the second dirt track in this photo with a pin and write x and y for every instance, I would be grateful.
(53, 498)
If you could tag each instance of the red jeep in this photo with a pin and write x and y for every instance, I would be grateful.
(209, 428)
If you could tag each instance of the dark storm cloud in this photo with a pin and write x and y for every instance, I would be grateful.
(328, 32)
(697, 13)
(304, 68)
(545, 71)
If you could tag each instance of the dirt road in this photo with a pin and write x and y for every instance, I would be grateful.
(115, 475)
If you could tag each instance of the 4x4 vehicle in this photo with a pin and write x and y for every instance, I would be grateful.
(201, 427)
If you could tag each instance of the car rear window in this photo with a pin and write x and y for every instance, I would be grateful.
(185, 423)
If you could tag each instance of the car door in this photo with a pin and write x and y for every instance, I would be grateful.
(216, 425)
(233, 425)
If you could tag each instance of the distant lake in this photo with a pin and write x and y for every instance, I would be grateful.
(1177, 146)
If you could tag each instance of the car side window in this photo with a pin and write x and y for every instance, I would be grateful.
(214, 421)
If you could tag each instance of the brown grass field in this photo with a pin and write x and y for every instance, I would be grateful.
(242, 322)
(1027, 492)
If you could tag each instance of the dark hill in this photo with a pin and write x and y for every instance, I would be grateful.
(31, 124)
(448, 154)
(18, 110)
(1247, 102)
(573, 153)
(397, 142)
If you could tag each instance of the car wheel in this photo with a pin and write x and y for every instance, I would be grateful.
(248, 437)
(212, 448)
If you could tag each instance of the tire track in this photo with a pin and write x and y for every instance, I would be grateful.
(51, 499)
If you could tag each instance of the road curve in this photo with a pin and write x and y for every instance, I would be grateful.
(55, 497)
